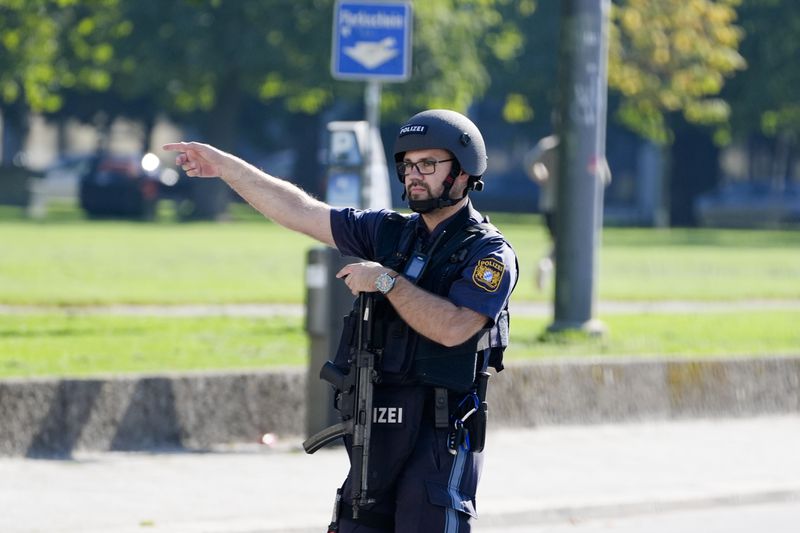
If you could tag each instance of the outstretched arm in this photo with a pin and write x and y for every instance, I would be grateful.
(275, 198)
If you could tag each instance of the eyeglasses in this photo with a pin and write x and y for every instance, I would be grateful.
(424, 167)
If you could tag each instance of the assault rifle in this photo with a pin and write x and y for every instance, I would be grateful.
(354, 400)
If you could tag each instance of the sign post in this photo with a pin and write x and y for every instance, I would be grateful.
(372, 43)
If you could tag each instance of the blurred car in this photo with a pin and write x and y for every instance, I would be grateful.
(128, 185)
(749, 205)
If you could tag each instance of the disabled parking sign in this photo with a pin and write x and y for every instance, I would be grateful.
(371, 40)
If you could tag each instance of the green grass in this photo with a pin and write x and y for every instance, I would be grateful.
(80, 345)
(672, 335)
(69, 261)
(699, 264)
(66, 260)
(643, 264)
(81, 263)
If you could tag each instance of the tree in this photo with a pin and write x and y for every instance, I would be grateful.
(668, 56)
(764, 100)
(523, 62)
(203, 62)
(27, 52)
(52, 45)
(205, 59)
(665, 57)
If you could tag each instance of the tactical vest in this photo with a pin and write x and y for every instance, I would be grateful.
(404, 355)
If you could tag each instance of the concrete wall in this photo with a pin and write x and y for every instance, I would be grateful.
(55, 417)
(618, 390)
(42, 417)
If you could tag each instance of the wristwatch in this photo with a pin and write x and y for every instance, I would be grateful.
(385, 282)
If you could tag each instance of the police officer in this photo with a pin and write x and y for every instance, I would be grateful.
(442, 277)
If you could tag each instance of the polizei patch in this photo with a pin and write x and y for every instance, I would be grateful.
(387, 415)
(415, 129)
(488, 273)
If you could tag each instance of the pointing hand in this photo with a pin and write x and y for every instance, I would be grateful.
(197, 159)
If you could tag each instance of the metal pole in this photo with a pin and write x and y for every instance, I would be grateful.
(579, 211)
(372, 103)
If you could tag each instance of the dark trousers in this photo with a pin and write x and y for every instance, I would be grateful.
(434, 491)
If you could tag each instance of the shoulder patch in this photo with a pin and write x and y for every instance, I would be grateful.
(488, 273)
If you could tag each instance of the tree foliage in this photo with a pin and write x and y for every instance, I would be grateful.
(199, 60)
(453, 42)
(52, 46)
(202, 60)
(523, 60)
(669, 56)
(765, 97)
(665, 57)
(28, 49)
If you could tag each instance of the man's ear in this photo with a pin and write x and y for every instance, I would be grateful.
(461, 182)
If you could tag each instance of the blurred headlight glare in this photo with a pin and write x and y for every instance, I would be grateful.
(169, 177)
(150, 162)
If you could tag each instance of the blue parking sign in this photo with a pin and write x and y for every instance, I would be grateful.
(371, 40)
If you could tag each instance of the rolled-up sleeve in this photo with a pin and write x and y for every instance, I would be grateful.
(354, 231)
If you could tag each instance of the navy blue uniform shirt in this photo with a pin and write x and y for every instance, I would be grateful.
(487, 277)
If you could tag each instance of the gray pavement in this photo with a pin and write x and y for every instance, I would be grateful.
(558, 475)
(770, 517)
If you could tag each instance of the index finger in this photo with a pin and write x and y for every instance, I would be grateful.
(344, 272)
(176, 147)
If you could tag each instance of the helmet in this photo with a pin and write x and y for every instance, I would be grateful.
(446, 130)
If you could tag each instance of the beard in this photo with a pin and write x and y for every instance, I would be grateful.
(419, 195)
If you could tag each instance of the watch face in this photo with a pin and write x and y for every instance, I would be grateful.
(384, 283)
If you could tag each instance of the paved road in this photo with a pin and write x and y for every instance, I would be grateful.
(775, 517)
(536, 480)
